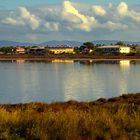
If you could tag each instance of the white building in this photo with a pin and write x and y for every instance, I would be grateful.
(124, 49)
(115, 48)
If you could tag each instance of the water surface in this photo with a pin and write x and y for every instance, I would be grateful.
(63, 80)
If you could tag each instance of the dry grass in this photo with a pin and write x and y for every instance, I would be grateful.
(112, 119)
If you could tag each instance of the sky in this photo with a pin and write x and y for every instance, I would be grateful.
(80, 20)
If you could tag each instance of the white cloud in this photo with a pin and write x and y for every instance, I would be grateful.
(115, 26)
(122, 9)
(29, 18)
(134, 15)
(110, 5)
(52, 26)
(98, 10)
(80, 21)
(12, 21)
(25, 18)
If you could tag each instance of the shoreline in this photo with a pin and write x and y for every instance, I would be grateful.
(67, 57)
(132, 98)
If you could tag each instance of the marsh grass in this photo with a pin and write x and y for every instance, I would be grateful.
(112, 119)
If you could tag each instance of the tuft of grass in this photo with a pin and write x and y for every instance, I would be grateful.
(113, 119)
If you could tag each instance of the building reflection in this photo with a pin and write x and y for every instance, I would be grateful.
(62, 61)
(85, 62)
(125, 63)
(20, 61)
(124, 76)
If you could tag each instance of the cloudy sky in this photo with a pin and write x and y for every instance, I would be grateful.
(44, 20)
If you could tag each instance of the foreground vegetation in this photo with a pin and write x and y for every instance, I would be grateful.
(105, 119)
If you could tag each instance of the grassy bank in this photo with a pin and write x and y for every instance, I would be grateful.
(105, 119)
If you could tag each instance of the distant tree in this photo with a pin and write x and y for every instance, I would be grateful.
(76, 50)
(87, 47)
(98, 45)
(121, 43)
(7, 50)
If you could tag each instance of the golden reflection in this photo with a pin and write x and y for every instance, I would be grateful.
(62, 61)
(20, 61)
(125, 63)
(91, 61)
(125, 72)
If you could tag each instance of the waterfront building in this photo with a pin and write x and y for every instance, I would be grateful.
(20, 50)
(60, 50)
(114, 49)
(37, 51)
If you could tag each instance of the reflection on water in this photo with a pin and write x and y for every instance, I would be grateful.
(62, 61)
(20, 61)
(62, 80)
(125, 63)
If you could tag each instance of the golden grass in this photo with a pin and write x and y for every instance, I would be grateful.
(113, 119)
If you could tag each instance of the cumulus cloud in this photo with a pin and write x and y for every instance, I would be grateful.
(24, 18)
(52, 26)
(110, 5)
(134, 15)
(122, 9)
(81, 21)
(115, 26)
(29, 18)
(98, 10)
(12, 21)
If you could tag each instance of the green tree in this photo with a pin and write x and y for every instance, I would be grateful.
(89, 45)
(121, 43)
(6, 50)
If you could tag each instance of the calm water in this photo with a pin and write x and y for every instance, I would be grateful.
(29, 81)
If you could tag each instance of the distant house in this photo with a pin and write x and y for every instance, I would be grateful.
(124, 49)
(60, 50)
(20, 50)
(37, 51)
(113, 49)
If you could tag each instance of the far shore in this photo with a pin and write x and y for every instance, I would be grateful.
(68, 57)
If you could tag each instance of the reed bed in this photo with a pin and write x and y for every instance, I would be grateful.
(105, 119)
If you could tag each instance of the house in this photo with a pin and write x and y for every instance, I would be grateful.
(60, 50)
(37, 51)
(20, 50)
(124, 49)
(114, 49)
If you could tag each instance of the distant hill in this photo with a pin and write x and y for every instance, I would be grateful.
(108, 42)
(4, 43)
(55, 43)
